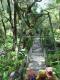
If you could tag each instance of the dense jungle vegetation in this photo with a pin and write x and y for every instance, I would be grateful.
(20, 20)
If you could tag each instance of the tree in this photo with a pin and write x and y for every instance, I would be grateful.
(13, 22)
(2, 19)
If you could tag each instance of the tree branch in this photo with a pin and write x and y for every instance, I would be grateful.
(8, 1)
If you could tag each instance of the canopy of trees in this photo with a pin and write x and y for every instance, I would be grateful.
(20, 20)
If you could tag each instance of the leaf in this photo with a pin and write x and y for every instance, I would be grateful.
(57, 1)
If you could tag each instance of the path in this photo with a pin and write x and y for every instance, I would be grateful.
(36, 55)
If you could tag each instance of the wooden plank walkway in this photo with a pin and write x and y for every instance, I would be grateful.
(36, 56)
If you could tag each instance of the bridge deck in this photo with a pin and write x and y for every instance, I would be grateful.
(36, 55)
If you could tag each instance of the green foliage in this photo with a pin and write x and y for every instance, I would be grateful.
(57, 70)
(12, 61)
(22, 54)
(54, 61)
(5, 74)
(8, 42)
(58, 1)
(54, 57)
(27, 42)
(9, 63)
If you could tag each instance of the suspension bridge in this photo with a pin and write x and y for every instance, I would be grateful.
(36, 56)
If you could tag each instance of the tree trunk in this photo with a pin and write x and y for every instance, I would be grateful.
(4, 27)
(2, 20)
(52, 30)
(10, 13)
(14, 28)
(13, 23)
